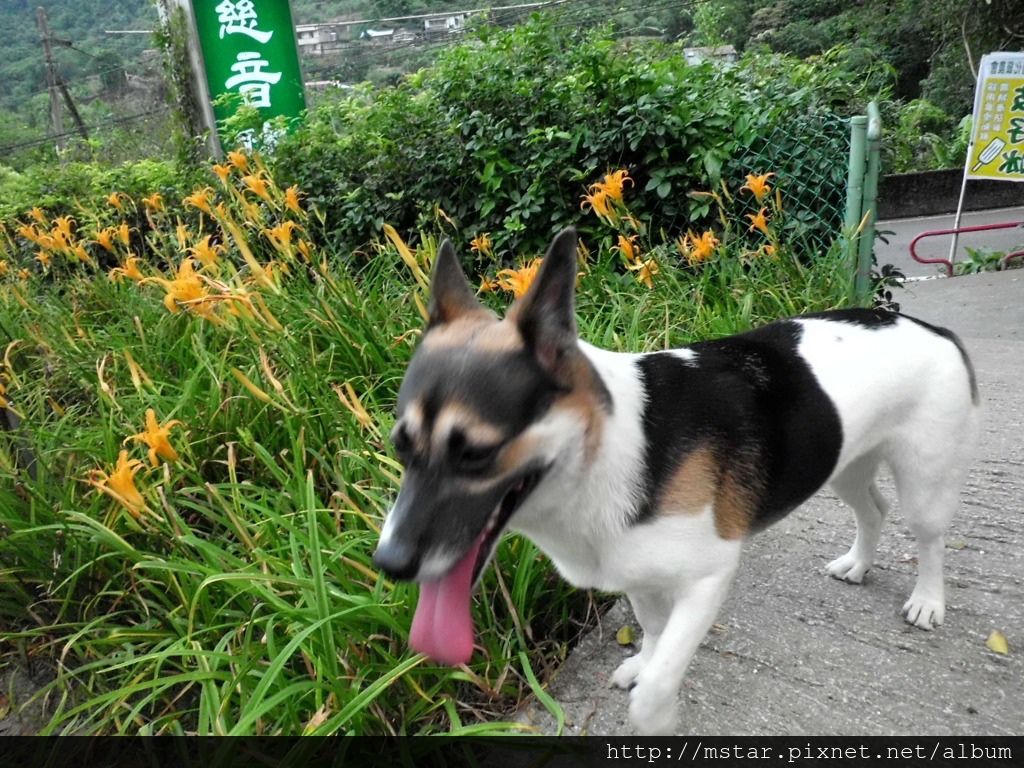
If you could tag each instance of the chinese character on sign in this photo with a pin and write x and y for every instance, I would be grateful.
(1018, 100)
(1016, 132)
(240, 18)
(997, 137)
(1013, 163)
(250, 55)
(250, 79)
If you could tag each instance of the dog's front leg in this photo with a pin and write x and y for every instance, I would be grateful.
(652, 610)
(653, 705)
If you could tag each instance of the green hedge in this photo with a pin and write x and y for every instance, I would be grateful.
(506, 131)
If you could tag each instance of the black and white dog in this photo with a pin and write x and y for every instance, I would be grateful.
(644, 473)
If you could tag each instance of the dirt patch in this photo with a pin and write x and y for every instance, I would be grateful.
(23, 704)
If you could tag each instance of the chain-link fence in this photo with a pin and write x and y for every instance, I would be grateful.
(810, 160)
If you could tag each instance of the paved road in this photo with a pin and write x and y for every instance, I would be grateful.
(897, 250)
(799, 653)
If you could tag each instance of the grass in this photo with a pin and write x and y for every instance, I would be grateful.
(235, 594)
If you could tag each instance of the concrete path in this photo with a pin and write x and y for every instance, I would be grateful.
(899, 235)
(798, 653)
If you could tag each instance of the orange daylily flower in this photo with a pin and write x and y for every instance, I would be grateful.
(186, 288)
(291, 200)
(614, 183)
(518, 281)
(238, 160)
(157, 437)
(105, 238)
(31, 232)
(120, 484)
(81, 254)
(205, 252)
(702, 247)
(628, 248)
(601, 204)
(259, 185)
(697, 249)
(487, 285)
(154, 202)
(199, 199)
(646, 270)
(129, 269)
(223, 172)
(758, 185)
(181, 234)
(281, 236)
(123, 233)
(481, 244)
(62, 228)
(38, 214)
(759, 222)
(604, 194)
(114, 199)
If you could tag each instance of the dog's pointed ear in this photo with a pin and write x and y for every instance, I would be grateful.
(545, 315)
(451, 295)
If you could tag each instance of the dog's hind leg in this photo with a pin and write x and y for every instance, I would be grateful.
(856, 487)
(929, 474)
(928, 505)
(652, 612)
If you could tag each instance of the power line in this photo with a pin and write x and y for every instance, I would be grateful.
(574, 13)
(135, 64)
(94, 127)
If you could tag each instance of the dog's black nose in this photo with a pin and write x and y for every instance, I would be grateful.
(398, 561)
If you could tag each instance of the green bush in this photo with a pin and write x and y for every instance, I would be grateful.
(506, 131)
(67, 189)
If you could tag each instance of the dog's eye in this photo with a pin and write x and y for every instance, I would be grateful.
(469, 457)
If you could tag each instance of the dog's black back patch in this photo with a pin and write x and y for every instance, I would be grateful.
(755, 403)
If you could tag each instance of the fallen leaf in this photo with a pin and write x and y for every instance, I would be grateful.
(625, 636)
(955, 545)
(996, 642)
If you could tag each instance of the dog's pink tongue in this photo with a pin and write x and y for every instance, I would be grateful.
(443, 627)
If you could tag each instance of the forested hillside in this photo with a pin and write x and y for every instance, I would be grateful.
(929, 47)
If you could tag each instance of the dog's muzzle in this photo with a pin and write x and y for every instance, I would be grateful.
(398, 560)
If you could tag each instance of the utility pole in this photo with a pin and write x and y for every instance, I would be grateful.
(58, 88)
(56, 115)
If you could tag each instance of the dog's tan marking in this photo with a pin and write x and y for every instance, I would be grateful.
(481, 331)
(412, 422)
(585, 400)
(734, 505)
(691, 489)
(517, 453)
(455, 415)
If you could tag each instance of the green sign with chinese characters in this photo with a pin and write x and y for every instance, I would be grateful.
(249, 50)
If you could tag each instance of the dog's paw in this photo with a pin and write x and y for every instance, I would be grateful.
(848, 568)
(651, 711)
(627, 672)
(924, 612)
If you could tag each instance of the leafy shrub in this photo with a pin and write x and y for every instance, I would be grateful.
(63, 189)
(505, 131)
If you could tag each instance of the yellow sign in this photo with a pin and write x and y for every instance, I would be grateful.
(997, 139)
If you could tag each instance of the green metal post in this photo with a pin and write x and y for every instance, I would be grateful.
(869, 201)
(855, 186)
